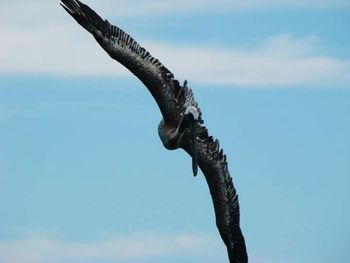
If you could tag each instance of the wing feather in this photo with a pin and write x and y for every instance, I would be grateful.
(213, 163)
(158, 79)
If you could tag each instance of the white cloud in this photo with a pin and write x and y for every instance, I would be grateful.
(41, 249)
(278, 61)
(164, 7)
(52, 49)
(132, 8)
(28, 13)
(49, 46)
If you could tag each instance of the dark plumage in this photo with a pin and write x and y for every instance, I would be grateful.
(182, 124)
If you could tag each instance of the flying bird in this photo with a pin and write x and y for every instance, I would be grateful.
(182, 124)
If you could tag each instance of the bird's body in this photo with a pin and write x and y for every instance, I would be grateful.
(182, 124)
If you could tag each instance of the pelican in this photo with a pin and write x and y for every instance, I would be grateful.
(182, 123)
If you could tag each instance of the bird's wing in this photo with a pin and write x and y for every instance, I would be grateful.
(213, 164)
(123, 48)
(172, 100)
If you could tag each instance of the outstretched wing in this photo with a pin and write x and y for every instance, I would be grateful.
(172, 100)
(123, 48)
(213, 163)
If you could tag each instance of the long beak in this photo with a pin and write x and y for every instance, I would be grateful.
(193, 130)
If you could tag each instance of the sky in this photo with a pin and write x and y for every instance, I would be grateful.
(84, 177)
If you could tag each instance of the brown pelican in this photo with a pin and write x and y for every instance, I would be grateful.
(182, 124)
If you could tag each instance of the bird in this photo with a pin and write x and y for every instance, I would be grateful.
(182, 125)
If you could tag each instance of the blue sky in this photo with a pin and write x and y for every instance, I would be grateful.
(85, 178)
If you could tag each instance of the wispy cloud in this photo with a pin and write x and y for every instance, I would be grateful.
(42, 249)
(164, 7)
(136, 8)
(47, 49)
(278, 61)
(46, 45)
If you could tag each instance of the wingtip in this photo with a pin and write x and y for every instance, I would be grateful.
(66, 8)
(71, 6)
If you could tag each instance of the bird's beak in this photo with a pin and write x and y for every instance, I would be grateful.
(193, 130)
